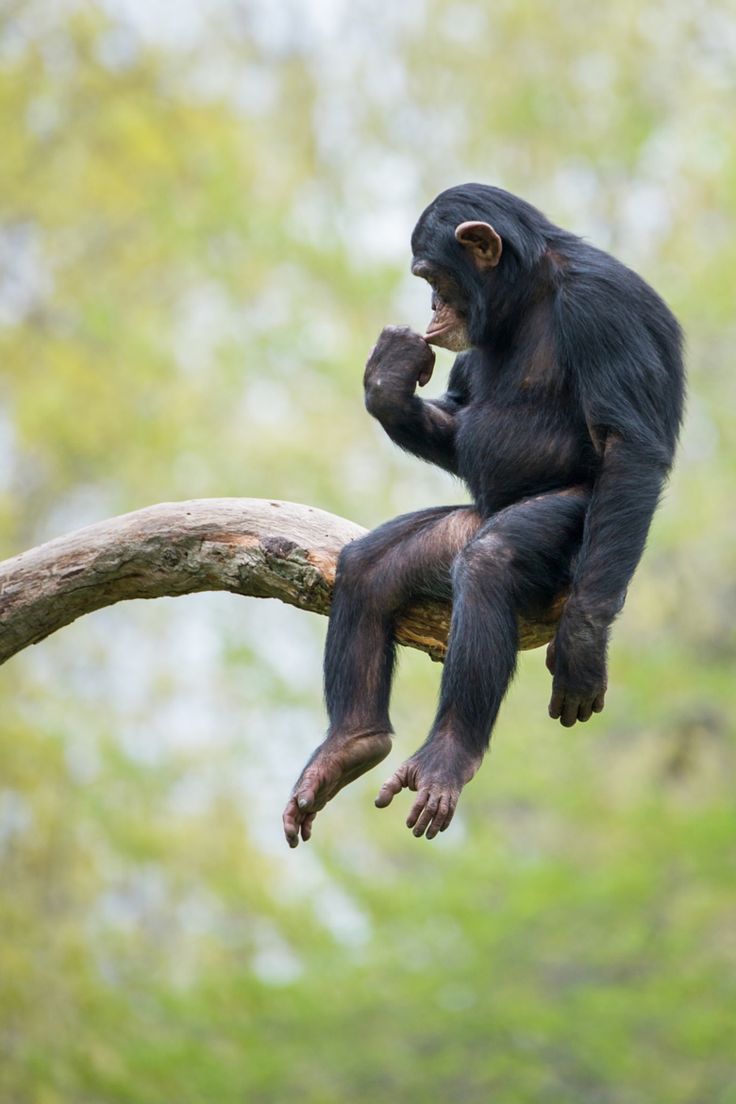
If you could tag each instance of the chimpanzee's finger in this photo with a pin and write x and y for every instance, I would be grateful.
(392, 786)
(450, 814)
(549, 659)
(556, 703)
(307, 827)
(426, 373)
(291, 821)
(439, 817)
(585, 710)
(427, 814)
(306, 796)
(599, 702)
(417, 807)
(569, 712)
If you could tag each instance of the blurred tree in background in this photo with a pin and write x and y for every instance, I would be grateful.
(205, 212)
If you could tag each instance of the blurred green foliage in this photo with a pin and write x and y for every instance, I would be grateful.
(204, 221)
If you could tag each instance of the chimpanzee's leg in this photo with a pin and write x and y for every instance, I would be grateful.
(518, 561)
(376, 576)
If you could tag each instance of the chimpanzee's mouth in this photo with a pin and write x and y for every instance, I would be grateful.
(435, 331)
(442, 321)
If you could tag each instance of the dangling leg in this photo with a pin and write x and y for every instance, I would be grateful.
(377, 575)
(517, 563)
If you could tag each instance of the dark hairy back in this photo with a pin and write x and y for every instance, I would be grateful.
(561, 324)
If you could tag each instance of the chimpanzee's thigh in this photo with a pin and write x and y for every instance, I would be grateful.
(530, 548)
(406, 558)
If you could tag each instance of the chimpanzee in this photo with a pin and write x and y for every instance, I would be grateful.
(561, 416)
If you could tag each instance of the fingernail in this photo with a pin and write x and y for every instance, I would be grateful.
(302, 802)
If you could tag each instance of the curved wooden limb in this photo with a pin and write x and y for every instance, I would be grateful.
(245, 545)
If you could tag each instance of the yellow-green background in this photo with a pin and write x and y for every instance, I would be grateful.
(205, 210)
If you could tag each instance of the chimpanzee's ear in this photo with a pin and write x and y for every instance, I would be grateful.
(481, 241)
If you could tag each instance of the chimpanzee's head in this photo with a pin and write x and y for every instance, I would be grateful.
(471, 244)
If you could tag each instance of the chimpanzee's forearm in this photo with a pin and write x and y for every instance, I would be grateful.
(624, 499)
(424, 428)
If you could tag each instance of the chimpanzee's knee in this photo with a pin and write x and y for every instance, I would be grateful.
(358, 569)
(524, 552)
(488, 560)
(352, 559)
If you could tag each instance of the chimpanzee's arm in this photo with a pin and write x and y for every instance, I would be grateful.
(624, 499)
(426, 428)
(631, 386)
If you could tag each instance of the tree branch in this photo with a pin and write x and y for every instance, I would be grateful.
(245, 545)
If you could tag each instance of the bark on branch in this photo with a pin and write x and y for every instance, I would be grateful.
(244, 545)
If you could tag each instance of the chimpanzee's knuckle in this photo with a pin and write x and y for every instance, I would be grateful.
(391, 334)
(393, 337)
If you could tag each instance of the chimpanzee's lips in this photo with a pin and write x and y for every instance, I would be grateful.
(436, 331)
(437, 327)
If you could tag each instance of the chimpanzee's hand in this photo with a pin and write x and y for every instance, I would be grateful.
(399, 361)
(576, 659)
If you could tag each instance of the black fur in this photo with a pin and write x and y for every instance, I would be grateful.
(562, 419)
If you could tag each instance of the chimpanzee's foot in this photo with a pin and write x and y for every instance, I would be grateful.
(437, 774)
(335, 763)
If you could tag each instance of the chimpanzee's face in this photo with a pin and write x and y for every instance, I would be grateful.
(448, 327)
